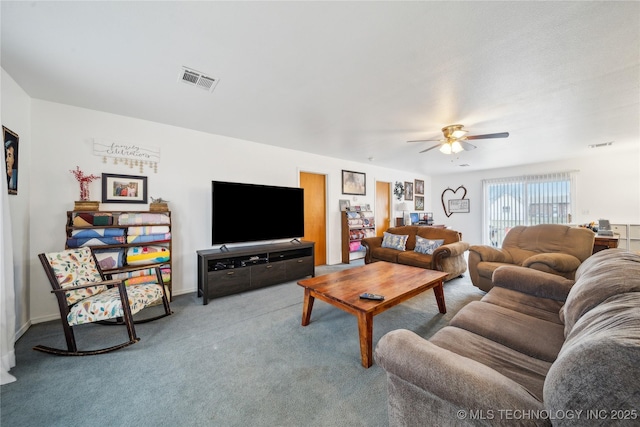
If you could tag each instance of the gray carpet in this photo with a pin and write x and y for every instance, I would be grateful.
(241, 360)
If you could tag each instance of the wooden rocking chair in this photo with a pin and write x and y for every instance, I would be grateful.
(85, 296)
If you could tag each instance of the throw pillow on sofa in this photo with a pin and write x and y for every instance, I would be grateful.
(394, 241)
(426, 246)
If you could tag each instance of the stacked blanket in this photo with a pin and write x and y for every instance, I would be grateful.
(145, 275)
(96, 237)
(140, 255)
(84, 219)
(110, 258)
(143, 218)
(144, 234)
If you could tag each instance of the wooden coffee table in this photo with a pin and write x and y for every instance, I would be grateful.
(396, 282)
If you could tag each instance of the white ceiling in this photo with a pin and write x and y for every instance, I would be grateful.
(351, 80)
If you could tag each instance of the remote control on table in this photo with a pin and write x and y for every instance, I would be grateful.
(375, 297)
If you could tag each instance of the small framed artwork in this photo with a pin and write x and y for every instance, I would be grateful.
(11, 140)
(408, 190)
(459, 205)
(419, 186)
(124, 188)
(419, 203)
(354, 183)
(344, 204)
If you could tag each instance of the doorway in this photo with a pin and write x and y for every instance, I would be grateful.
(315, 213)
(383, 207)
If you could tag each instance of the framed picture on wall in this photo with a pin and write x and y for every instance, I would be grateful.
(124, 188)
(408, 190)
(459, 205)
(419, 203)
(419, 186)
(354, 183)
(11, 140)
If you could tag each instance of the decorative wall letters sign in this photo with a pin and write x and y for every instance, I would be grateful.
(127, 153)
(454, 202)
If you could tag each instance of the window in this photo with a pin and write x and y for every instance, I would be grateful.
(526, 200)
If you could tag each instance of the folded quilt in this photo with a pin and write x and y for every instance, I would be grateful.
(146, 230)
(94, 241)
(165, 271)
(109, 258)
(139, 280)
(143, 218)
(149, 238)
(139, 255)
(85, 219)
(98, 232)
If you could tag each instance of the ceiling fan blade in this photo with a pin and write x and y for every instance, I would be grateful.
(489, 136)
(430, 148)
(425, 140)
(466, 146)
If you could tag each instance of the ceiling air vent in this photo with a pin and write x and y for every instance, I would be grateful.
(197, 79)
(603, 144)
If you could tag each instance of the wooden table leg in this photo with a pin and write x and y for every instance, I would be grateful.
(307, 306)
(439, 291)
(365, 330)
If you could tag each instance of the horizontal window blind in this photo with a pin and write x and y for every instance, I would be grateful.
(526, 200)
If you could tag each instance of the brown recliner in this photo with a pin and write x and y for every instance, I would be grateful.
(554, 248)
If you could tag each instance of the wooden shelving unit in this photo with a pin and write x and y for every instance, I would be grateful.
(126, 243)
(356, 225)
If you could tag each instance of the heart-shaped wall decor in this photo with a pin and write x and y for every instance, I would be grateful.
(449, 194)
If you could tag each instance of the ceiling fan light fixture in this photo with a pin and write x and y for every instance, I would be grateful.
(458, 133)
(453, 131)
(445, 148)
(451, 148)
(456, 147)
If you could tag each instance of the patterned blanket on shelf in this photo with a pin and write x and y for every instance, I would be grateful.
(143, 218)
(82, 219)
(140, 255)
(94, 241)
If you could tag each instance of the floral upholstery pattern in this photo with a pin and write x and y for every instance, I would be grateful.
(107, 304)
(76, 267)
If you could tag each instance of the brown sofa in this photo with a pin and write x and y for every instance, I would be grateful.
(554, 248)
(536, 350)
(448, 258)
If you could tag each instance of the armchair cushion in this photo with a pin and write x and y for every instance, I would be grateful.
(73, 268)
(108, 305)
(491, 254)
(394, 241)
(564, 263)
(426, 246)
(532, 282)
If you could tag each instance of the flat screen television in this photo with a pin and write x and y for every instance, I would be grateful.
(252, 213)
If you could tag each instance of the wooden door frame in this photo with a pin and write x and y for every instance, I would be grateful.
(327, 231)
(390, 203)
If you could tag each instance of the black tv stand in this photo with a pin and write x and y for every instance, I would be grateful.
(232, 270)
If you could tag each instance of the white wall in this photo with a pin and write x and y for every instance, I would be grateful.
(63, 139)
(15, 114)
(608, 186)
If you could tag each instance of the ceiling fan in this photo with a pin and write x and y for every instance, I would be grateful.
(455, 140)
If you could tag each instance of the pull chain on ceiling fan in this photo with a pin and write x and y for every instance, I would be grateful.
(455, 140)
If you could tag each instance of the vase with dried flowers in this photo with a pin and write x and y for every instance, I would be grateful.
(84, 203)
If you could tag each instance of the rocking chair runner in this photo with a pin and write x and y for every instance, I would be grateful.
(85, 296)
